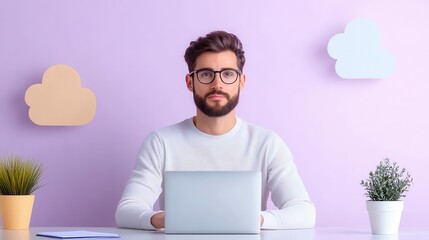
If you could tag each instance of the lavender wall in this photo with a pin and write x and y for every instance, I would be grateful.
(130, 54)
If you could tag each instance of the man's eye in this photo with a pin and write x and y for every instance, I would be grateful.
(228, 73)
(206, 74)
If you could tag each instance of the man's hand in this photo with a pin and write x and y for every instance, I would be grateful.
(157, 220)
(262, 220)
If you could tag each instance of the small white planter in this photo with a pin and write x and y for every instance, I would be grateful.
(385, 216)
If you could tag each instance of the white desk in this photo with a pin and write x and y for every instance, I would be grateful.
(309, 234)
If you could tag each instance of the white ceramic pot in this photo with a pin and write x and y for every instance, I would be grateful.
(385, 216)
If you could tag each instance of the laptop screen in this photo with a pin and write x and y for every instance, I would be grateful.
(212, 202)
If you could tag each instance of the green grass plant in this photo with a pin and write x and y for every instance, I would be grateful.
(387, 183)
(19, 176)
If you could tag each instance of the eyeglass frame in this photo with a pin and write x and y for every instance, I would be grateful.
(214, 75)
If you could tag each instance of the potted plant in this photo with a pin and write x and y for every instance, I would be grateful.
(19, 178)
(385, 187)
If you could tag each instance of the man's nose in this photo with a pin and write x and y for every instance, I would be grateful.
(217, 82)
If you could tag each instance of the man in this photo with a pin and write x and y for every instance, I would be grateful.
(215, 139)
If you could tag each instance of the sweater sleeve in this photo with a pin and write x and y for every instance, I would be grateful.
(143, 188)
(288, 193)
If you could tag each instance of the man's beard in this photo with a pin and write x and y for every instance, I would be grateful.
(217, 110)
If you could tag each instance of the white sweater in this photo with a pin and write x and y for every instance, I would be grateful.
(246, 147)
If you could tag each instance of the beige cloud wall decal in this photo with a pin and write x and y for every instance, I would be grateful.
(60, 100)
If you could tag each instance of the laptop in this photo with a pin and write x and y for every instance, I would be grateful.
(212, 202)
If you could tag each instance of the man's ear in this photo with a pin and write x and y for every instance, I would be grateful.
(242, 81)
(189, 82)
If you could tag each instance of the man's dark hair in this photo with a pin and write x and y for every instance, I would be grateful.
(217, 41)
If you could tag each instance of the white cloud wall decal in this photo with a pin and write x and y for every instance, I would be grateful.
(359, 53)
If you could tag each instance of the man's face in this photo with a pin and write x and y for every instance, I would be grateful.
(217, 98)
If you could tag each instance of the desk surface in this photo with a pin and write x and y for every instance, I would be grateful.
(308, 234)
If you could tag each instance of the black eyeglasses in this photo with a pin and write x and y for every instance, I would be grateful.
(206, 76)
